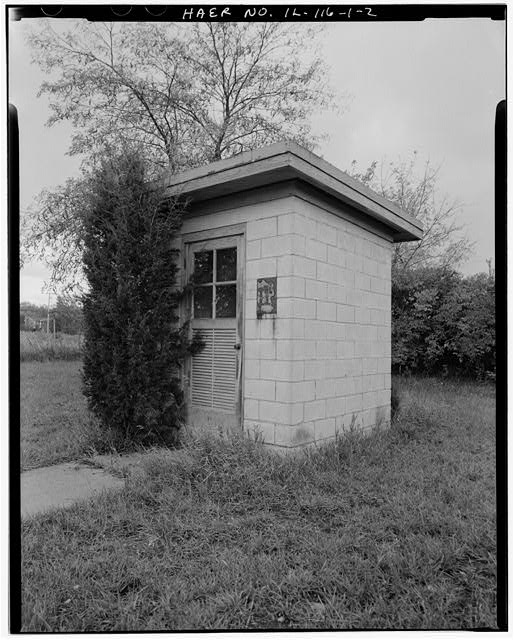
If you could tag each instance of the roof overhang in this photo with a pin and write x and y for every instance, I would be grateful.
(285, 161)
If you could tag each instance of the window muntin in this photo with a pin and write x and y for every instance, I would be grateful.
(215, 283)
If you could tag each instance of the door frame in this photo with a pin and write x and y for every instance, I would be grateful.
(218, 233)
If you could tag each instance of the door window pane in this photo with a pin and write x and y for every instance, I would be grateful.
(203, 267)
(203, 302)
(226, 301)
(226, 264)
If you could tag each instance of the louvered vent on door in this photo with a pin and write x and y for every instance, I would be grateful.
(213, 371)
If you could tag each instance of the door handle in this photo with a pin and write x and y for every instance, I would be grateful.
(237, 346)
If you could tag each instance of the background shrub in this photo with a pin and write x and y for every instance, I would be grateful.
(443, 323)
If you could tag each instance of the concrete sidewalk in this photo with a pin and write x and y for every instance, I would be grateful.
(62, 485)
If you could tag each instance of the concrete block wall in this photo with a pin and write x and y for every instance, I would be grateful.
(324, 361)
(352, 328)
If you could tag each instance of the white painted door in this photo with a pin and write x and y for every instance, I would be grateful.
(216, 313)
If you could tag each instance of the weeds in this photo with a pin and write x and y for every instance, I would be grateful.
(38, 346)
(390, 531)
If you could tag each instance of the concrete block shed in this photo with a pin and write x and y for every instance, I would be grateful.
(292, 264)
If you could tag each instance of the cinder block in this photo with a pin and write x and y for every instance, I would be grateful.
(329, 273)
(297, 223)
(345, 349)
(384, 365)
(338, 368)
(325, 428)
(315, 329)
(355, 298)
(252, 369)
(295, 391)
(362, 282)
(380, 348)
(285, 266)
(362, 316)
(345, 313)
(378, 285)
(336, 293)
(253, 250)
(314, 410)
(348, 278)
(345, 240)
(262, 268)
(383, 397)
(286, 223)
(335, 406)
(336, 331)
(371, 399)
(280, 245)
(364, 349)
(314, 369)
(252, 329)
(250, 294)
(315, 290)
(377, 316)
(295, 349)
(290, 287)
(263, 228)
(325, 310)
(280, 412)
(355, 366)
(336, 256)
(283, 435)
(354, 403)
(259, 389)
(276, 246)
(353, 332)
(349, 386)
(384, 333)
(283, 328)
(316, 250)
(286, 370)
(381, 253)
(325, 388)
(370, 267)
(326, 233)
(304, 267)
(372, 382)
(345, 424)
(251, 409)
(296, 308)
(260, 350)
(369, 366)
(303, 434)
(294, 265)
(325, 350)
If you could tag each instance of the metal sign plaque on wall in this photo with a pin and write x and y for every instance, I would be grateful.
(266, 296)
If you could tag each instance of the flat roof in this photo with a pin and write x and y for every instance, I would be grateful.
(285, 161)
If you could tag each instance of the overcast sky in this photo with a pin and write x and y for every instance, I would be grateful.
(429, 86)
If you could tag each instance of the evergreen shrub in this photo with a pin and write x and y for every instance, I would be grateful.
(134, 344)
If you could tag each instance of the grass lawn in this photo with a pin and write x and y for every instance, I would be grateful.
(394, 531)
(55, 424)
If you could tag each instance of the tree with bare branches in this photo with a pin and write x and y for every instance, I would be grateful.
(190, 93)
(184, 94)
(443, 243)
